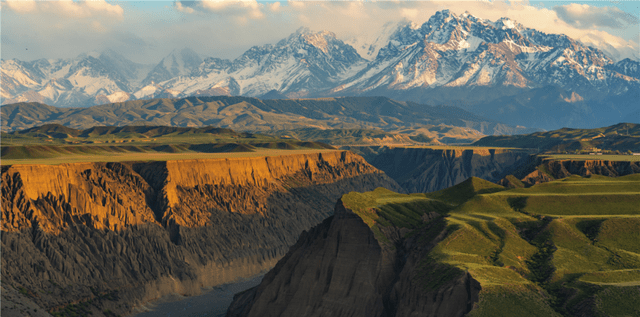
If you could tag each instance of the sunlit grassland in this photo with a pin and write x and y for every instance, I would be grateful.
(383, 207)
(156, 156)
(618, 301)
(586, 157)
(625, 277)
(529, 246)
(595, 233)
(55, 144)
(460, 147)
(513, 300)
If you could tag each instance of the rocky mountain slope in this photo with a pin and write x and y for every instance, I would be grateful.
(111, 236)
(499, 68)
(242, 114)
(343, 268)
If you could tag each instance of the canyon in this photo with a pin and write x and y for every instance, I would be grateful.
(423, 170)
(112, 236)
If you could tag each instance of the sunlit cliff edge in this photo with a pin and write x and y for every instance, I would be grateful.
(135, 231)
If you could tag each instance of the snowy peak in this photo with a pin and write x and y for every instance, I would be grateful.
(506, 23)
(404, 60)
(69, 82)
(181, 62)
(369, 44)
(452, 50)
(303, 37)
(627, 67)
(305, 44)
(177, 63)
(119, 64)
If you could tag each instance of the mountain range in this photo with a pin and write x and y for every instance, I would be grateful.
(496, 69)
(252, 114)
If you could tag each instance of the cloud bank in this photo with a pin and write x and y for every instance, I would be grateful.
(147, 31)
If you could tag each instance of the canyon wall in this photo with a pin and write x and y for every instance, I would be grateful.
(540, 169)
(421, 170)
(564, 168)
(340, 268)
(112, 236)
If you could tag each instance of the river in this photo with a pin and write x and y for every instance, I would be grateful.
(212, 303)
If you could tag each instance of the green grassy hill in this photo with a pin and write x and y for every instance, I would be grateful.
(346, 136)
(102, 142)
(565, 248)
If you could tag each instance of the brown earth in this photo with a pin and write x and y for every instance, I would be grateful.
(339, 268)
(116, 235)
(564, 168)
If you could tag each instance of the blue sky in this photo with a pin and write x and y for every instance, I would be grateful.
(146, 31)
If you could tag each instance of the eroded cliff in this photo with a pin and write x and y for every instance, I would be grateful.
(565, 168)
(120, 234)
(541, 169)
(420, 170)
(344, 268)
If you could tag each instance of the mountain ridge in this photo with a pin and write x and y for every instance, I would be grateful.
(252, 114)
(416, 63)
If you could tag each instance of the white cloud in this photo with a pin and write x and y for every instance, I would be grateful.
(584, 16)
(228, 28)
(182, 8)
(66, 8)
(274, 7)
(243, 9)
(20, 6)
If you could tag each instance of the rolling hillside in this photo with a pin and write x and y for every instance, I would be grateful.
(620, 137)
(564, 248)
(251, 114)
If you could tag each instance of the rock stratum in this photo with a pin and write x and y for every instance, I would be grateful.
(343, 267)
(108, 237)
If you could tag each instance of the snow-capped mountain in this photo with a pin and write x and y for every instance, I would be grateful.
(454, 59)
(86, 80)
(452, 50)
(303, 63)
(627, 67)
(177, 63)
(369, 44)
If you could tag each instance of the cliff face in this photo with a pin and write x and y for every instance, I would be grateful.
(564, 168)
(420, 170)
(542, 169)
(121, 234)
(340, 268)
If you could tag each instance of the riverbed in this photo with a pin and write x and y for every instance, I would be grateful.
(212, 303)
